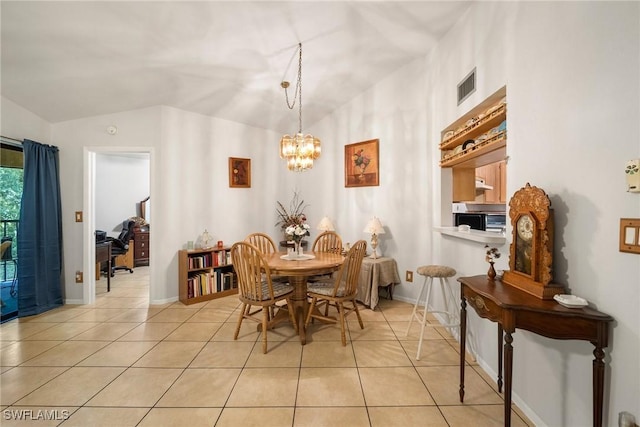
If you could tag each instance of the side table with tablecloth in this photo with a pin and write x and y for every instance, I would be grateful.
(376, 272)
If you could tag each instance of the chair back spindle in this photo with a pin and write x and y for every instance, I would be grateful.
(262, 241)
(329, 241)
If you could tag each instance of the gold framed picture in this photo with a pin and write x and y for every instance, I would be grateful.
(239, 172)
(362, 164)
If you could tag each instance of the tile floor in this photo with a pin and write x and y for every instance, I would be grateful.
(122, 362)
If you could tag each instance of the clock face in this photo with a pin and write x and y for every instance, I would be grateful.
(525, 227)
(524, 244)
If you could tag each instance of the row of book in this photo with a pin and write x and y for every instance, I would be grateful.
(211, 259)
(210, 282)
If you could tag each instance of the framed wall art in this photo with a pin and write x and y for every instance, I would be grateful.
(362, 164)
(239, 172)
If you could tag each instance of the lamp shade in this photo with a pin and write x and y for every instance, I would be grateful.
(325, 224)
(374, 226)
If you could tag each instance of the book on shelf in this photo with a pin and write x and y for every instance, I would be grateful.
(227, 281)
(199, 261)
(203, 283)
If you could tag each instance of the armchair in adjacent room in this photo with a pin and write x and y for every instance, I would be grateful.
(120, 245)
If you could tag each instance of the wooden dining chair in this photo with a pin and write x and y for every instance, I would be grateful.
(262, 241)
(341, 290)
(328, 241)
(255, 288)
(266, 245)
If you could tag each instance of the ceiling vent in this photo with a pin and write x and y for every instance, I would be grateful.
(467, 86)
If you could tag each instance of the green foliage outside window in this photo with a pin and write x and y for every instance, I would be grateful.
(10, 193)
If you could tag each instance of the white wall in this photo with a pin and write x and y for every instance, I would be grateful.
(18, 123)
(571, 71)
(122, 181)
(190, 187)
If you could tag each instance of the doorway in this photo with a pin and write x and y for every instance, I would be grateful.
(115, 182)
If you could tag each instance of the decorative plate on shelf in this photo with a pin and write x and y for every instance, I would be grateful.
(570, 301)
(468, 144)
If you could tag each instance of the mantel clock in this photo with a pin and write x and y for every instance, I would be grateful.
(531, 251)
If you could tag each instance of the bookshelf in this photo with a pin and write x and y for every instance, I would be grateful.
(205, 274)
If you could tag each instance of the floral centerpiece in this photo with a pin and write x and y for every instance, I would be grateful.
(297, 233)
(293, 221)
(492, 255)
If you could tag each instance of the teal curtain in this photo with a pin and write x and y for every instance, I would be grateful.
(40, 231)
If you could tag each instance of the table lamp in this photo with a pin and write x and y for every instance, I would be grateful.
(325, 224)
(374, 227)
(206, 239)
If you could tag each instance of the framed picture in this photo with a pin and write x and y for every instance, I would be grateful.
(239, 172)
(362, 164)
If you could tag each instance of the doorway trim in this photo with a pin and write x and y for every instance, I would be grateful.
(89, 198)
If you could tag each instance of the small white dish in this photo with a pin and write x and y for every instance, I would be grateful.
(303, 257)
(570, 301)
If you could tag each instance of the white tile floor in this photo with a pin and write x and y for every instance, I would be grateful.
(121, 362)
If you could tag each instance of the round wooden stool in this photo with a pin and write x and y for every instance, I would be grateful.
(453, 318)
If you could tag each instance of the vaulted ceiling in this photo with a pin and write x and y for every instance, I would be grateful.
(68, 60)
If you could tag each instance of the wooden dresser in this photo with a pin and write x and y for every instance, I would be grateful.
(141, 247)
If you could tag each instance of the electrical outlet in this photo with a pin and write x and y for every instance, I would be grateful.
(409, 276)
(79, 277)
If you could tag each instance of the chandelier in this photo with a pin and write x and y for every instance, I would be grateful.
(299, 150)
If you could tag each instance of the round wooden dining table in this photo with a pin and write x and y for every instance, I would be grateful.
(298, 271)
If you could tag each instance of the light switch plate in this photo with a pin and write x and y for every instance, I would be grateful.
(78, 216)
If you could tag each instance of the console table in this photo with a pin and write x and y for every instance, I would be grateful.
(374, 273)
(514, 309)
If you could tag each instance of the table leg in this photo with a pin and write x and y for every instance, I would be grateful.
(508, 368)
(598, 385)
(463, 339)
(500, 334)
(109, 274)
(300, 304)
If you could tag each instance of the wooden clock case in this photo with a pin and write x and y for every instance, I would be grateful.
(532, 223)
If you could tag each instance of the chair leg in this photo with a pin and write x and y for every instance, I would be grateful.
(292, 315)
(244, 307)
(453, 318)
(311, 307)
(423, 322)
(415, 307)
(343, 333)
(355, 306)
(265, 322)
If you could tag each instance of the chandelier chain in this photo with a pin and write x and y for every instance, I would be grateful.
(298, 92)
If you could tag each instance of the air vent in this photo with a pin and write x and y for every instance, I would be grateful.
(467, 86)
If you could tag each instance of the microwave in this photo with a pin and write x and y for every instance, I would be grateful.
(494, 222)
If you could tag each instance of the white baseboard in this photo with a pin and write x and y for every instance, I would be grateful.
(163, 301)
(73, 302)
